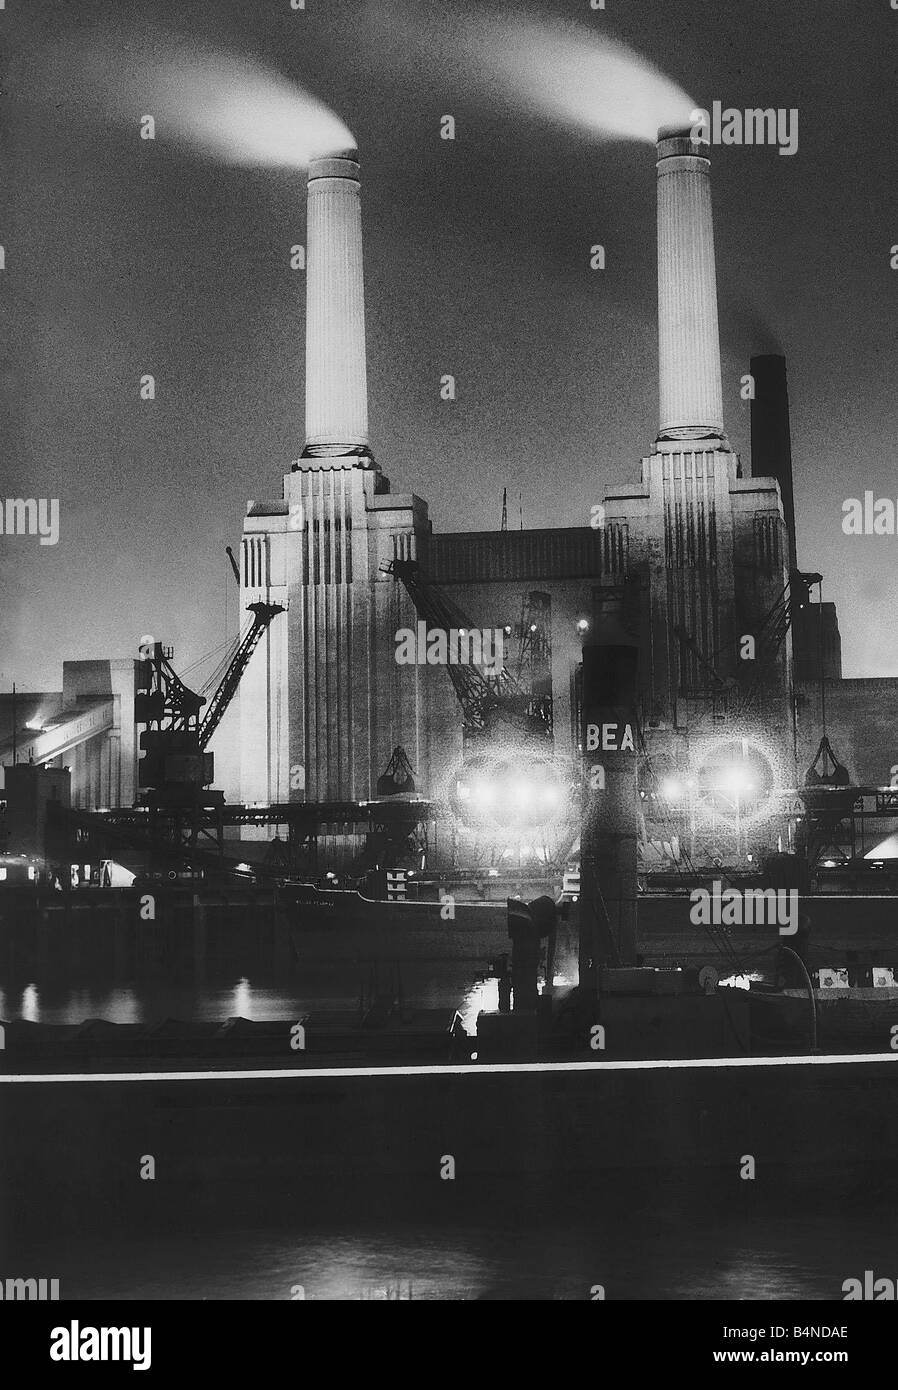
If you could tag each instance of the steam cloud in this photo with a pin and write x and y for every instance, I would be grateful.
(218, 103)
(593, 82)
(547, 67)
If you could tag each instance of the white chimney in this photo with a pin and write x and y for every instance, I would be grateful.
(336, 386)
(691, 401)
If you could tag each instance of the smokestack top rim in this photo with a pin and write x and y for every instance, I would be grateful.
(336, 164)
(677, 140)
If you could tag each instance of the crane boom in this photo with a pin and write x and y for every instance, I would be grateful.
(175, 739)
(485, 696)
(772, 634)
(262, 613)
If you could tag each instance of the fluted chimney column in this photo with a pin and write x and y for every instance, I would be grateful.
(336, 385)
(691, 401)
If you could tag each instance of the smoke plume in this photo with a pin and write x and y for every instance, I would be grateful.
(217, 103)
(544, 66)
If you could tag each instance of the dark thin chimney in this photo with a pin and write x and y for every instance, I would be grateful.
(771, 436)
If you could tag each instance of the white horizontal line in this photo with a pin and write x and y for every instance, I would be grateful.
(465, 1069)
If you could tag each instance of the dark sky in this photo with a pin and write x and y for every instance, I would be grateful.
(125, 256)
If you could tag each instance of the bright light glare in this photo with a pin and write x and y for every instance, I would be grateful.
(671, 789)
(523, 792)
(735, 780)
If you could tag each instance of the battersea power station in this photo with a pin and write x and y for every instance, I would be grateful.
(702, 553)
(388, 665)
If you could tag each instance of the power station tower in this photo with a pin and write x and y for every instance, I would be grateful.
(714, 543)
(321, 710)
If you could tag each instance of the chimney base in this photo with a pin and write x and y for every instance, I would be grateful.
(675, 441)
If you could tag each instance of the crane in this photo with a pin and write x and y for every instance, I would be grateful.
(263, 613)
(487, 698)
(176, 738)
(533, 668)
(772, 634)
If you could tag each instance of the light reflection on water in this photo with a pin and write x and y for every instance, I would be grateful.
(426, 986)
(632, 1253)
(638, 1244)
(30, 1004)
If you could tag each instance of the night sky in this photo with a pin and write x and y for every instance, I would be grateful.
(126, 256)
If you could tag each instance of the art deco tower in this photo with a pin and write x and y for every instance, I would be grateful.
(323, 705)
(713, 542)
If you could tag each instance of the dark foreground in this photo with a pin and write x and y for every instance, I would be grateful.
(635, 1179)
